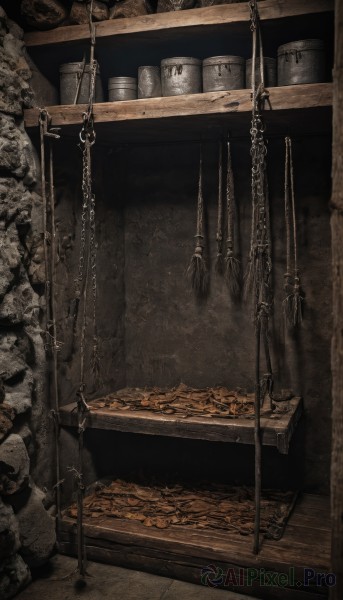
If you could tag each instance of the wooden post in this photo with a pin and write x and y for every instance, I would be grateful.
(337, 340)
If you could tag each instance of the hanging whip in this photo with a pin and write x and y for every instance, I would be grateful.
(232, 264)
(258, 276)
(292, 304)
(197, 270)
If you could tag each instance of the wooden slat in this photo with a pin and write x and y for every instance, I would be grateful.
(275, 432)
(200, 18)
(182, 552)
(210, 103)
(184, 570)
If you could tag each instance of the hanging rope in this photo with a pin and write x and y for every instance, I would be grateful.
(258, 276)
(219, 236)
(197, 270)
(232, 265)
(52, 346)
(86, 272)
(292, 304)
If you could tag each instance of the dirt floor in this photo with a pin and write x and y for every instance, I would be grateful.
(59, 582)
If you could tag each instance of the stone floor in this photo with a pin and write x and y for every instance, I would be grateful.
(59, 582)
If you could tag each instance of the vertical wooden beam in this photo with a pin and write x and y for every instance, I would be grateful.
(337, 340)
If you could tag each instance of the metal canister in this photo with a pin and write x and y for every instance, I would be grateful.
(301, 62)
(181, 75)
(223, 73)
(269, 69)
(122, 88)
(149, 82)
(75, 83)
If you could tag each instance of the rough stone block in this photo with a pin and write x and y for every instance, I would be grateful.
(130, 8)
(172, 5)
(15, 92)
(43, 14)
(27, 437)
(17, 154)
(14, 465)
(79, 13)
(7, 416)
(12, 363)
(20, 305)
(37, 530)
(19, 397)
(15, 201)
(9, 531)
(14, 575)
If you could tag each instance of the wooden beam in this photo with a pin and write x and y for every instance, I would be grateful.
(210, 103)
(275, 431)
(183, 552)
(199, 18)
(336, 593)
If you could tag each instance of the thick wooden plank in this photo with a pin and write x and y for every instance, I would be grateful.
(183, 552)
(172, 566)
(200, 18)
(215, 545)
(210, 103)
(275, 432)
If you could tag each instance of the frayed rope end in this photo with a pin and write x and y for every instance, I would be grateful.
(232, 276)
(198, 274)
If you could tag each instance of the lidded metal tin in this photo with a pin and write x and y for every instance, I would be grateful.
(301, 62)
(223, 73)
(75, 83)
(149, 82)
(269, 65)
(122, 88)
(181, 75)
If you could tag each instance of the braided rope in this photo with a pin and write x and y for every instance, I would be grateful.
(219, 235)
(232, 265)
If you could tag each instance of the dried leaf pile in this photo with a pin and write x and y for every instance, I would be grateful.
(182, 401)
(222, 507)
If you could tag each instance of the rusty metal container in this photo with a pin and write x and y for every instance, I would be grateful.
(149, 82)
(181, 75)
(223, 73)
(122, 88)
(269, 72)
(301, 62)
(75, 83)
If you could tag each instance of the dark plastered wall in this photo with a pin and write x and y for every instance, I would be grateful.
(153, 332)
(170, 338)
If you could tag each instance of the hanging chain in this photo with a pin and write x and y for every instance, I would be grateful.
(86, 271)
(258, 278)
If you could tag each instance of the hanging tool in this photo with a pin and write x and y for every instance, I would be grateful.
(232, 264)
(293, 302)
(197, 270)
(219, 236)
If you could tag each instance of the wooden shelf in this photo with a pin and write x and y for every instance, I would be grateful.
(275, 430)
(182, 553)
(172, 23)
(184, 115)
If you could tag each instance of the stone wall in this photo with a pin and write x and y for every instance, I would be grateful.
(27, 524)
